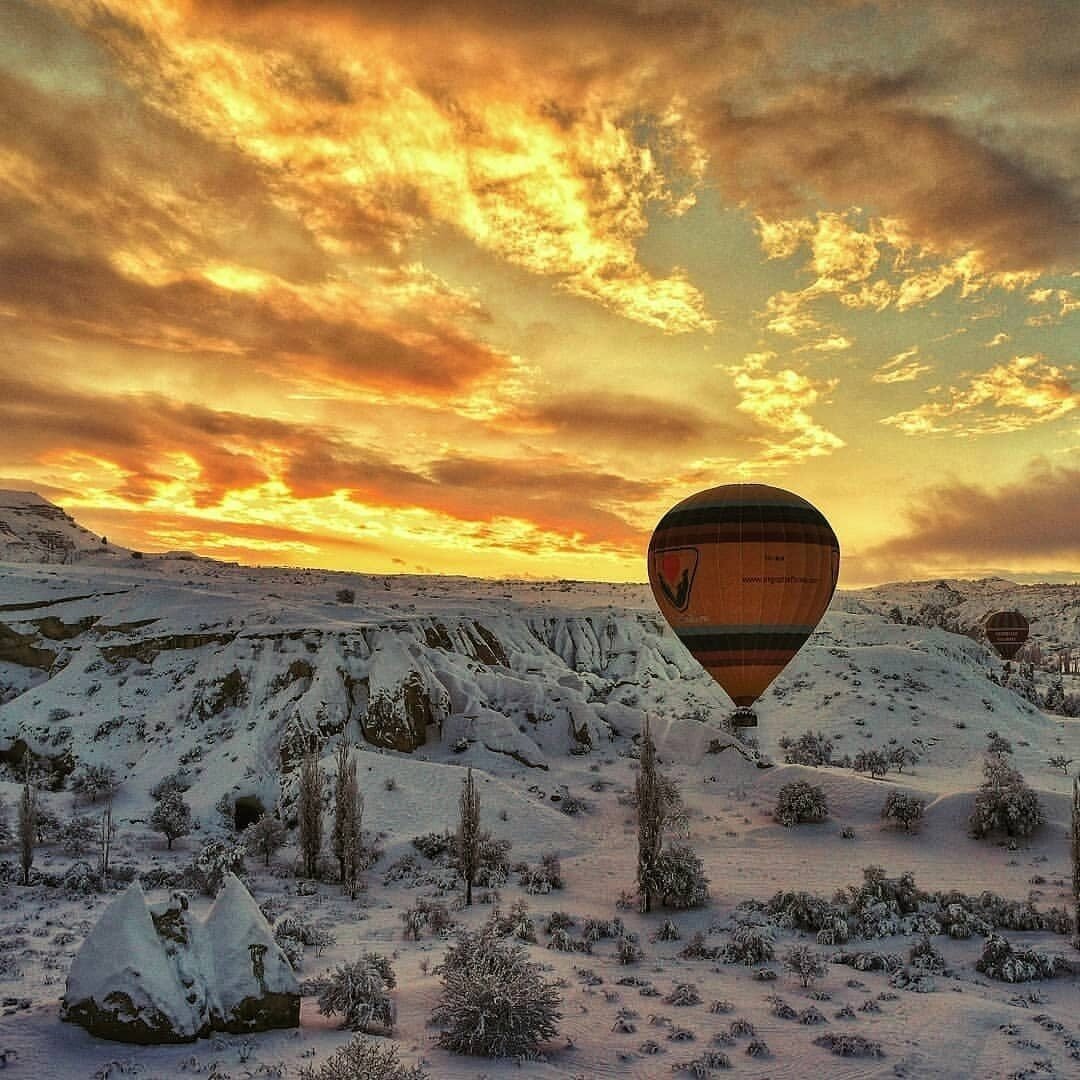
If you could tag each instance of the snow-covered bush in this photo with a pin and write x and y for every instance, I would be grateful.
(811, 748)
(494, 1001)
(749, 945)
(434, 845)
(798, 802)
(678, 878)
(875, 762)
(174, 783)
(627, 951)
(79, 834)
(805, 964)
(544, 877)
(667, 931)
(358, 993)
(1000, 960)
(217, 858)
(924, 956)
(849, 1045)
(94, 782)
(1004, 803)
(363, 1058)
(904, 809)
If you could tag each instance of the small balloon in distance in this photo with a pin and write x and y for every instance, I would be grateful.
(1006, 631)
(743, 573)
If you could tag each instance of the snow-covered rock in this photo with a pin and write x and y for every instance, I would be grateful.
(147, 975)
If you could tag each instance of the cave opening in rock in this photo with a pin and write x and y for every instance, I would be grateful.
(247, 811)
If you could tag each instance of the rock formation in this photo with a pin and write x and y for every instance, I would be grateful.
(156, 974)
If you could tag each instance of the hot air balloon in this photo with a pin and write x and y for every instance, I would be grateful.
(743, 573)
(1006, 631)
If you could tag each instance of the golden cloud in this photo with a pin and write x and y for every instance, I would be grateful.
(1008, 397)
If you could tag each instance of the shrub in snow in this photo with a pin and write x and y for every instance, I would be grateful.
(217, 858)
(875, 762)
(363, 1058)
(1004, 803)
(175, 783)
(906, 810)
(741, 1027)
(627, 951)
(811, 748)
(998, 744)
(805, 911)
(517, 923)
(704, 1065)
(798, 802)
(869, 961)
(804, 963)
(749, 945)
(94, 782)
(358, 993)
(849, 1045)
(542, 878)
(79, 834)
(494, 1001)
(345, 596)
(667, 931)
(434, 845)
(1000, 960)
(678, 878)
(924, 956)
(684, 994)
(696, 949)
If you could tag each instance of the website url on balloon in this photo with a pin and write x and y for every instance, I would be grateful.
(779, 579)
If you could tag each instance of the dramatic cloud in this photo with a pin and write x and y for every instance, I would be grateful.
(1007, 397)
(1022, 523)
(466, 285)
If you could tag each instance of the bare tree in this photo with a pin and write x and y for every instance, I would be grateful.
(345, 837)
(265, 837)
(650, 808)
(1076, 854)
(27, 826)
(106, 835)
(468, 834)
(310, 812)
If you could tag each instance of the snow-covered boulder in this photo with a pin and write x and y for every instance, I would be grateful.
(122, 985)
(156, 974)
(253, 986)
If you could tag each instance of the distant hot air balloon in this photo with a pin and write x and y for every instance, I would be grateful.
(743, 573)
(1006, 631)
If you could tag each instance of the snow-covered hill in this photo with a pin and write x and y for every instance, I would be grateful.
(153, 664)
(34, 530)
(150, 664)
(1053, 611)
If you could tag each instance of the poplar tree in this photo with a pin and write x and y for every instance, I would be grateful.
(468, 834)
(345, 837)
(650, 808)
(27, 827)
(309, 811)
(1076, 855)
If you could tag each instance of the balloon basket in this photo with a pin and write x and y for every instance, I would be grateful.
(744, 718)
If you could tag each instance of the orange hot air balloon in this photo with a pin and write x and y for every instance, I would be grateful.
(743, 573)
(1006, 631)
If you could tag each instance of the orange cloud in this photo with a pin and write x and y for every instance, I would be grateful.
(1008, 397)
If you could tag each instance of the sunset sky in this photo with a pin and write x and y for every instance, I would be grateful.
(485, 286)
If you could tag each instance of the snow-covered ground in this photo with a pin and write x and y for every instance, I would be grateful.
(154, 663)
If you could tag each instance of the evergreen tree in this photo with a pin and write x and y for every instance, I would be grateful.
(310, 813)
(650, 808)
(468, 834)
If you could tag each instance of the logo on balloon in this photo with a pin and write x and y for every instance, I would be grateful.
(675, 570)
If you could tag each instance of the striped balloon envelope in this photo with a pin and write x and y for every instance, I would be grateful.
(1006, 631)
(743, 573)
